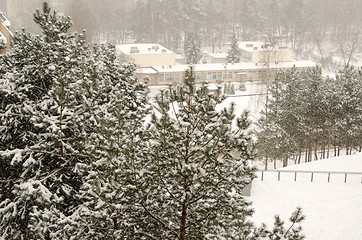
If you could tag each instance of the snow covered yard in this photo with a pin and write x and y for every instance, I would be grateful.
(333, 210)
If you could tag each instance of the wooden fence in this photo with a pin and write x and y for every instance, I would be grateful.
(312, 174)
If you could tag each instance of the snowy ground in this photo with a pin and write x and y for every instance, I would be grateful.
(333, 210)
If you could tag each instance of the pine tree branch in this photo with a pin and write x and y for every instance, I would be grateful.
(163, 182)
(213, 148)
(174, 110)
(148, 235)
(158, 220)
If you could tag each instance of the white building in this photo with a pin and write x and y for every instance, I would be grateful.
(146, 54)
(260, 52)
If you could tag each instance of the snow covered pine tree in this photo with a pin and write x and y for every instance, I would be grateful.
(196, 168)
(62, 105)
(192, 48)
(234, 51)
(77, 164)
(38, 137)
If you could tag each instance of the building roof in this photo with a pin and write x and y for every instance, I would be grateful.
(180, 57)
(5, 22)
(235, 66)
(257, 46)
(146, 70)
(143, 48)
(218, 55)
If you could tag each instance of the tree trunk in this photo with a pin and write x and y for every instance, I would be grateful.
(350, 149)
(300, 156)
(306, 147)
(285, 162)
(275, 157)
(338, 147)
(183, 222)
(266, 164)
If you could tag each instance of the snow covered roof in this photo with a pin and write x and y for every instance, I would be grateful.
(143, 48)
(256, 46)
(5, 22)
(235, 66)
(218, 55)
(146, 70)
(179, 56)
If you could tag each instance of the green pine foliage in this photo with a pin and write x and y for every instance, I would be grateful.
(192, 48)
(196, 168)
(65, 109)
(38, 139)
(77, 160)
(309, 115)
(2, 45)
(234, 51)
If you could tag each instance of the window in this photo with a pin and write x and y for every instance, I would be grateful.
(198, 76)
(212, 76)
(252, 74)
(230, 75)
(170, 77)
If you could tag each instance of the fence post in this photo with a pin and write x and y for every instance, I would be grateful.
(278, 175)
(295, 176)
(329, 176)
(262, 175)
(311, 178)
(345, 177)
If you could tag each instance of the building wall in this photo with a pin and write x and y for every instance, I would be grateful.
(211, 76)
(153, 79)
(147, 60)
(216, 76)
(6, 33)
(277, 56)
(260, 56)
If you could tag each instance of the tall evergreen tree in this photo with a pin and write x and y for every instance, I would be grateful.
(349, 124)
(38, 138)
(64, 107)
(115, 105)
(197, 166)
(234, 52)
(192, 48)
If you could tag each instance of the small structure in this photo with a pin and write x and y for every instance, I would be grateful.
(180, 59)
(260, 52)
(146, 54)
(216, 57)
(5, 33)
